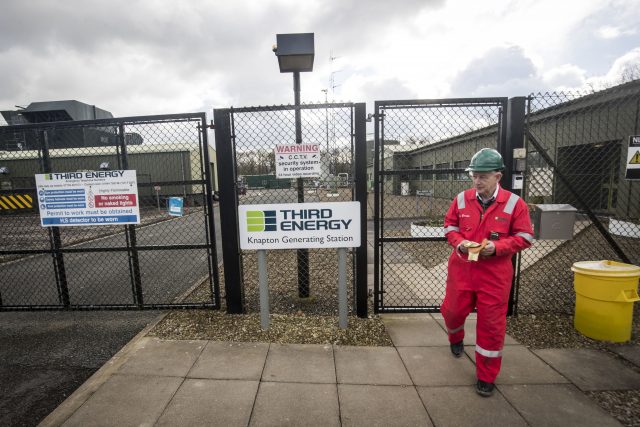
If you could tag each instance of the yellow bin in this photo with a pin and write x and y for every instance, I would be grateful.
(605, 293)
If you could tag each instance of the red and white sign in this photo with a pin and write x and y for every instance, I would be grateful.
(115, 201)
(298, 161)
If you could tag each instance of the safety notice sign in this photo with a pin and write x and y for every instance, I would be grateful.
(633, 158)
(298, 161)
(88, 198)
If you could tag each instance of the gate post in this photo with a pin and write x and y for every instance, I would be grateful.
(54, 232)
(228, 212)
(514, 139)
(130, 230)
(360, 180)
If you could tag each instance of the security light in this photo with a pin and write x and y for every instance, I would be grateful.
(4, 170)
(295, 52)
(104, 166)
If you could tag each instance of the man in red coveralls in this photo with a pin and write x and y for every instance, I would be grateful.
(495, 224)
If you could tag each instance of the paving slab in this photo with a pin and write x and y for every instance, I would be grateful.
(126, 400)
(303, 363)
(462, 406)
(419, 331)
(231, 360)
(433, 366)
(205, 402)
(370, 365)
(470, 332)
(521, 366)
(295, 404)
(163, 357)
(369, 405)
(556, 404)
(591, 369)
(629, 352)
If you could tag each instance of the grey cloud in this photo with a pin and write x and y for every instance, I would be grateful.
(348, 24)
(503, 69)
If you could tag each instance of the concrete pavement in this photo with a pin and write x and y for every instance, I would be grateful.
(416, 382)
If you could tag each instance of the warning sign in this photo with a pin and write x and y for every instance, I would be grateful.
(88, 198)
(297, 161)
(633, 158)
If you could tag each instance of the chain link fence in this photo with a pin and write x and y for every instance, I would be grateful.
(585, 140)
(422, 150)
(303, 280)
(152, 264)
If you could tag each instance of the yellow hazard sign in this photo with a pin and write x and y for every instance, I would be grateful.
(633, 158)
(15, 201)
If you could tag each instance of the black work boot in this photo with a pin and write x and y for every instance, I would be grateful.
(457, 348)
(484, 388)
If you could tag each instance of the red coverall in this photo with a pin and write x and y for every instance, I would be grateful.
(485, 283)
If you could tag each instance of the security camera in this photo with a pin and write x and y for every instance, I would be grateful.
(274, 48)
(4, 170)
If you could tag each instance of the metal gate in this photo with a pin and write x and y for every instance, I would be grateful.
(416, 175)
(165, 261)
(577, 154)
(245, 141)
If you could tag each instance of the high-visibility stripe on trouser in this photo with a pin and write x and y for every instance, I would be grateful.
(490, 330)
(455, 308)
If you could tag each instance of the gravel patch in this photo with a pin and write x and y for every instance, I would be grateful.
(285, 328)
(623, 405)
(539, 331)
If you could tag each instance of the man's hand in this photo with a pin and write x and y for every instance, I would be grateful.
(489, 249)
(462, 246)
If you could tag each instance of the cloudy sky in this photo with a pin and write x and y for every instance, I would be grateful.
(135, 57)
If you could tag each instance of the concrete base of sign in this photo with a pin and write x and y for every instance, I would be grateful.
(426, 230)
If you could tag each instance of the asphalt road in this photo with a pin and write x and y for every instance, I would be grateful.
(45, 356)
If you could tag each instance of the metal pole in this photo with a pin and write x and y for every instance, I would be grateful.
(264, 289)
(360, 183)
(342, 288)
(56, 241)
(302, 254)
(231, 255)
(132, 241)
(514, 116)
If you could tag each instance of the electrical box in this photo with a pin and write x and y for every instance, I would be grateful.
(554, 222)
(519, 153)
(518, 181)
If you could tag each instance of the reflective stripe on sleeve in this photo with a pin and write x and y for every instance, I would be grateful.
(525, 236)
(461, 203)
(511, 203)
(458, 329)
(488, 353)
(451, 228)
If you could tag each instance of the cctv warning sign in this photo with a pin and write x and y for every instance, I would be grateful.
(633, 158)
(298, 161)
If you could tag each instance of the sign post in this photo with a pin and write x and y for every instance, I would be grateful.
(157, 190)
(300, 226)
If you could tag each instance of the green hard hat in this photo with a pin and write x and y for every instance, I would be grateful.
(486, 160)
